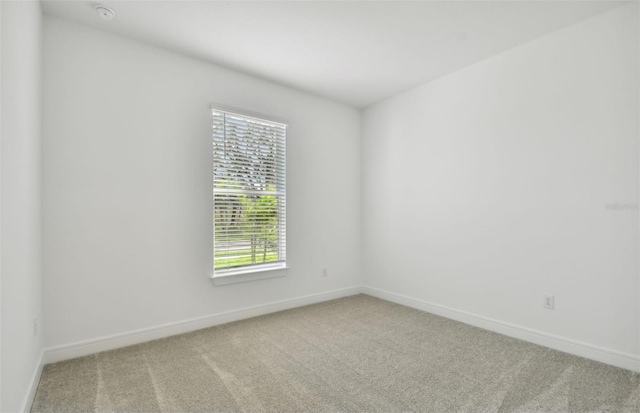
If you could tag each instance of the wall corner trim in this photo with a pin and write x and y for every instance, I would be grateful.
(577, 348)
(85, 348)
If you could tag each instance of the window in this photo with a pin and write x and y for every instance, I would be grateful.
(249, 194)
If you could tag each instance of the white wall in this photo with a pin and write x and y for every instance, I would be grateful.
(127, 196)
(20, 201)
(0, 206)
(487, 188)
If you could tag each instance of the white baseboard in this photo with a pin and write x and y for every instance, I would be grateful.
(85, 348)
(35, 380)
(603, 355)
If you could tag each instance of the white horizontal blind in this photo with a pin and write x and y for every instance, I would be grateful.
(249, 193)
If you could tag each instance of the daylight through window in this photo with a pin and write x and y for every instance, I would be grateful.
(249, 193)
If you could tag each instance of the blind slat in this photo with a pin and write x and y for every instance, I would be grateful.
(249, 191)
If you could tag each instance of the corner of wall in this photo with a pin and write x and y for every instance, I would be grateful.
(21, 274)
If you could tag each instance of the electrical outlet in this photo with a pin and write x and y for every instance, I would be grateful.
(548, 301)
(324, 272)
(35, 327)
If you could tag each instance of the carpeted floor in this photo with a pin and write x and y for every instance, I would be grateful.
(356, 354)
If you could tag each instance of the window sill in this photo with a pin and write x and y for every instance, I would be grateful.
(250, 275)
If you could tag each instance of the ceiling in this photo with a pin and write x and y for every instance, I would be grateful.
(356, 52)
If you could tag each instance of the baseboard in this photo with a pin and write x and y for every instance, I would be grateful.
(35, 380)
(603, 355)
(85, 348)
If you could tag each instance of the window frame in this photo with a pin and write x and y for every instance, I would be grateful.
(256, 271)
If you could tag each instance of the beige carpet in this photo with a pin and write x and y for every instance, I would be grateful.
(357, 354)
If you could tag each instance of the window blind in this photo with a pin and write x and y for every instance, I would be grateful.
(249, 193)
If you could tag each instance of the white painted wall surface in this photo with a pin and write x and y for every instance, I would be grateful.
(20, 201)
(127, 186)
(488, 188)
(0, 206)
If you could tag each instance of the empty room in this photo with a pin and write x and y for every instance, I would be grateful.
(319, 206)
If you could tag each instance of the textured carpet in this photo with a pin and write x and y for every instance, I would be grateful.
(357, 354)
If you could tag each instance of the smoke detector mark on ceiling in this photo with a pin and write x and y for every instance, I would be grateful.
(104, 12)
